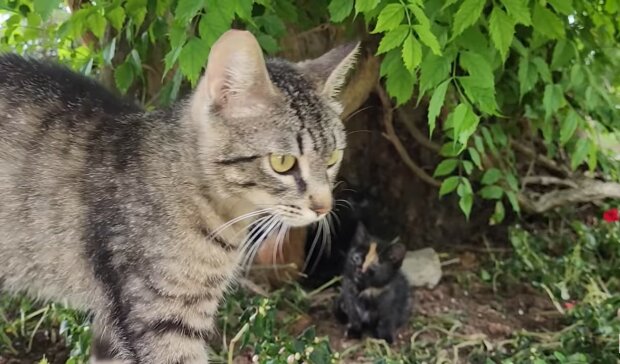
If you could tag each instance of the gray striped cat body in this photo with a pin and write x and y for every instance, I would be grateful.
(118, 212)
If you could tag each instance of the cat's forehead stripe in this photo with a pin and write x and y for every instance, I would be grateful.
(303, 102)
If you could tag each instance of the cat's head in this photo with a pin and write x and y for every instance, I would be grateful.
(274, 137)
(371, 262)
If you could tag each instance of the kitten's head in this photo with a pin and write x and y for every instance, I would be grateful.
(373, 263)
(273, 133)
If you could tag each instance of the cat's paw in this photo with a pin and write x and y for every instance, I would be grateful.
(385, 335)
(353, 333)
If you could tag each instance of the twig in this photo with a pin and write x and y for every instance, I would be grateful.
(231, 347)
(388, 120)
(415, 132)
(548, 181)
(324, 286)
(253, 287)
(541, 159)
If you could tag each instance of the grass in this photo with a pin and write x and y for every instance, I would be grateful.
(574, 268)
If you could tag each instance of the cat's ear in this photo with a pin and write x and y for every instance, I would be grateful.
(396, 254)
(361, 235)
(329, 71)
(236, 82)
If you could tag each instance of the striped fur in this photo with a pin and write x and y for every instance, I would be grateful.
(115, 210)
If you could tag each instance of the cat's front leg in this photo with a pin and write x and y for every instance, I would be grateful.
(385, 330)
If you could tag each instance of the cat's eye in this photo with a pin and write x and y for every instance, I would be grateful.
(282, 163)
(334, 157)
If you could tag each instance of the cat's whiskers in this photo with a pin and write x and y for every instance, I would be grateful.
(268, 226)
(313, 246)
(250, 240)
(229, 223)
(344, 203)
(278, 247)
(334, 217)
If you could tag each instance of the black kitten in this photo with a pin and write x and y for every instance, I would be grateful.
(375, 293)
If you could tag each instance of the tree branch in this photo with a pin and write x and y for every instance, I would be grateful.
(586, 190)
(541, 159)
(415, 132)
(388, 120)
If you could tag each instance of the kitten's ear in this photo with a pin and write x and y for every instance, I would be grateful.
(329, 71)
(396, 254)
(236, 82)
(361, 234)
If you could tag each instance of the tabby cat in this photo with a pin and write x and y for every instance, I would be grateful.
(139, 217)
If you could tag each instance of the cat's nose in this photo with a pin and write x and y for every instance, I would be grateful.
(321, 208)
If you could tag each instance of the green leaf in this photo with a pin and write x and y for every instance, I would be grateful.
(475, 157)
(433, 70)
(116, 17)
(518, 10)
(568, 127)
(483, 96)
(213, 24)
(193, 58)
(268, 43)
(502, 28)
(339, 10)
(547, 23)
(468, 166)
(562, 6)
(362, 6)
(465, 122)
(499, 214)
(96, 23)
(427, 37)
(412, 52)
(243, 8)
(391, 61)
(435, 104)
(123, 76)
(543, 69)
(448, 185)
(136, 10)
(393, 39)
(553, 99)
(45, 7)
(528, 76)
(187, 9)
(563, 54)
(399, 81)
(108, 52)
(467, 15)
(491, 176)
(579, 154)
(465, 203)
(512, 181)
(390, 17)
(514, 201)
(446, 167)
(478, 67)
(491, 192)
(449, 149)
(464, 187)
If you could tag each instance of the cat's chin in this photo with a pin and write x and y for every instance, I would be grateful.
(299, 222)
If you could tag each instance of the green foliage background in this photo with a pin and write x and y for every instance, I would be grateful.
(492, 71)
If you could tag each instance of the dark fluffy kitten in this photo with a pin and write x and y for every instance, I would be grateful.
(375, 293)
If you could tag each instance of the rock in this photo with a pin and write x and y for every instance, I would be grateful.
(422, 268)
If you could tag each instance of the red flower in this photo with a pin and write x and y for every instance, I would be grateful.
(569, 305)
(611, 215)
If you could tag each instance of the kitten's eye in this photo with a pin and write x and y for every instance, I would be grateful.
(334, 157)
(282, 163)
